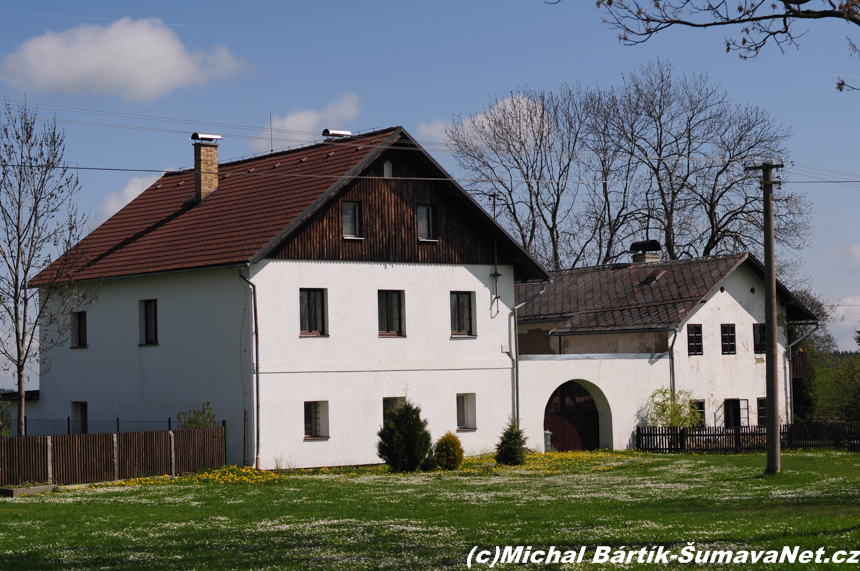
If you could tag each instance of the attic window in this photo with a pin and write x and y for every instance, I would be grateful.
(653, 276)
(276, 165)
(387, 169)
(180, 183)
(251, 170)
(331, 154)
(226, 175)
(303, 159)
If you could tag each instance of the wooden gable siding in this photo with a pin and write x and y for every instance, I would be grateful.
(389, 222)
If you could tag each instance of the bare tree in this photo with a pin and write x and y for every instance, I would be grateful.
(37, 219)
(583, 172)
(520, 152)
(758, 22)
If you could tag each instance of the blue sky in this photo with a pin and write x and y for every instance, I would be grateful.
(363, 65)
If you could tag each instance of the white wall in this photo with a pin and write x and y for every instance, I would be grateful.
(715, 377)
(203, 354)
(619, 384)
(353, 368)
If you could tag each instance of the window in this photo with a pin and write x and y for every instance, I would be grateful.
(699, 405)
(727, 333)
(78, 419)
(762, 412)
(759, 338)
(387, 169)
(312, 310)
(425, 223)
(391, 403)
(79, 329)
(466, 411)
(351, 219)
(461, 313)
(390, 313)
(694, 340)
(316, 419)
(148, 322)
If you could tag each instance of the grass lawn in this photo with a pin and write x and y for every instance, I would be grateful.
(369, 519)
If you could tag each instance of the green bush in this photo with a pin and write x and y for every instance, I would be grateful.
(429, 463)
(511, 447)
(449, 452)
(202, 418)
(403, 439)
(678, 410)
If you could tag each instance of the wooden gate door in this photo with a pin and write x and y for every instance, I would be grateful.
(571, 415)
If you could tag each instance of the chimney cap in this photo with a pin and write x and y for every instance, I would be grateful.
(645, 246)
(205, 137)
(336, 133)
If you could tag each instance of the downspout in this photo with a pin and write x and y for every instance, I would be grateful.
(517, 352)
(256, 360)
(672, 363)
(789, 382)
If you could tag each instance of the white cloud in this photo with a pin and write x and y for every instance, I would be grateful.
(434, 131)
(307, 124)
(134, 59)
(114, 201)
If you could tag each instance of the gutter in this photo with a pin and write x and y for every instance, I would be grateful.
(672, 363)
(516, 396)
(256, 361)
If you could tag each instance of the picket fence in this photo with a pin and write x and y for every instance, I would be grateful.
(737, 439)
(84, 458)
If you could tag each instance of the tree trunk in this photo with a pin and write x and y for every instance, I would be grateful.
(21, 428)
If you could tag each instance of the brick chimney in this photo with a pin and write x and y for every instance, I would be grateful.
(645, 251)
(205, 164)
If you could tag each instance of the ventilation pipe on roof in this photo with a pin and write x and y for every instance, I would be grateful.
(645, 251)
(334, 133)
(205, 164)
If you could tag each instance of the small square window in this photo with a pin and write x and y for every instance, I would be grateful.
(79, 329)
(759, 338)
(392, 403)
(727, 333)
(466, 411)
(694, 340)
(461, 313)
(762, 412)
(316, 419)
(425, 223)
(390, 313)
(351, 219)
(312, 312)
(149, 322)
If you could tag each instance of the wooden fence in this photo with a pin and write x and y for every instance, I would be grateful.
(83, 458)
(737, 439)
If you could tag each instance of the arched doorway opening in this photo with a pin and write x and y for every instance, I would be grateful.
(571, 415)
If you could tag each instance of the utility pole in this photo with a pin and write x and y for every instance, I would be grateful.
(771, 369)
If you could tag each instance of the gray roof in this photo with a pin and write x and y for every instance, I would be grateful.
(654, 296)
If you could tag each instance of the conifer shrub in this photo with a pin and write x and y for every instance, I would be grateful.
(511, 449)
(449, 452)
(429, 463)
(403, 439)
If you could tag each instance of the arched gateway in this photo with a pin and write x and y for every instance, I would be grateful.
(571, 415)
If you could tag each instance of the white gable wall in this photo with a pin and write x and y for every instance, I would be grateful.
(353, 368)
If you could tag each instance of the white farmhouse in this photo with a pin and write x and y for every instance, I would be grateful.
(599, 340)
(300, 293)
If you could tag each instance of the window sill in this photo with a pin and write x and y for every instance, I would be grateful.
(79, 347)
(312, 335)
(427, 240)
(356, 238)
(459, 429)
(314, 438)
(391, 336)
(148, 345)
(463, 336)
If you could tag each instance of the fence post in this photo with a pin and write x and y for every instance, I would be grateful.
(226, 451)
(638, 438)
(25, 425)
(737, 439)
(168, 424)
(117, 425)
(683, 439)
(50, 463)
(116, 456)
(172, 455)
(68, 425)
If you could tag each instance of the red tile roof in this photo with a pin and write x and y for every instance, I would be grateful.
(621, 297)
(164, 229)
